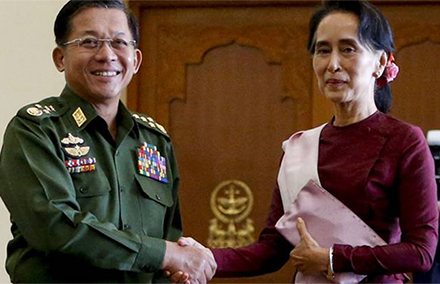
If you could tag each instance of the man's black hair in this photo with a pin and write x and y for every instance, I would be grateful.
(63, 22)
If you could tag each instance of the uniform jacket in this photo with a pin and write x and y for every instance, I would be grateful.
(84, 207)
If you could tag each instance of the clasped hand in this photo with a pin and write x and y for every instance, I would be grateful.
(308, 257)
(191, 263)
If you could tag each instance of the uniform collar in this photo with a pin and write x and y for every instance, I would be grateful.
(80, 112)
(126, 120)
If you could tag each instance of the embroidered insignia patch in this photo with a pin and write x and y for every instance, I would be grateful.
(84, 165)
(74, 147)
(151, 163)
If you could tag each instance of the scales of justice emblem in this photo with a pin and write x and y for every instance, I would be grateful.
(231, 203)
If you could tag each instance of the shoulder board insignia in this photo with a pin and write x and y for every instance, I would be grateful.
(161, 128)
(39, 110)
(47, 108)
(34, 111)
(148, 121)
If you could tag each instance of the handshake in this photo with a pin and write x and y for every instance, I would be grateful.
(188, 262)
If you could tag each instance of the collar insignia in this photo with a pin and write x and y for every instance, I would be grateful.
(79, 117)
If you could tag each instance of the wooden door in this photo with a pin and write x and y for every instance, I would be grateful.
(230, 80)
(229, 83)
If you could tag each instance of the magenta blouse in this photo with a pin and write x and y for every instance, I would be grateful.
(382, 169)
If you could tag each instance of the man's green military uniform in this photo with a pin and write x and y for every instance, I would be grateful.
(85, 208)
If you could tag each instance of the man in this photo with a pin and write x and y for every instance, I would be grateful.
(95, 199)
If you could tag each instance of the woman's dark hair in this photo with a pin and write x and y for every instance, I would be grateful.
(63, 22)
(374, 31)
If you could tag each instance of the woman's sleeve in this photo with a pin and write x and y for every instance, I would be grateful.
(268, 254)
(417, 203)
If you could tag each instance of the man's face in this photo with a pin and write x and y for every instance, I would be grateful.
(98, 75)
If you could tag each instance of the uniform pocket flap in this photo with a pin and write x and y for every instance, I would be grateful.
(155, 190)
(90, 184)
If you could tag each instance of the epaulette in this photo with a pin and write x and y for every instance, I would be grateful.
(150, 123)
(50, 107)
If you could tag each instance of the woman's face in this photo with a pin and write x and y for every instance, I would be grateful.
(344, 67)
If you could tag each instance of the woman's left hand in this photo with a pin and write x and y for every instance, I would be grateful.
(308, 257)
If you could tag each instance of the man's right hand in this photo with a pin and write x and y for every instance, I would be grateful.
(198, 262)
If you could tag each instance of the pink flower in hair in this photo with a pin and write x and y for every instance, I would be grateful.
(390, 73)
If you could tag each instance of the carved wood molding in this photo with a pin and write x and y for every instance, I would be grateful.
(136, 4)
(410, 34)
(183, 45)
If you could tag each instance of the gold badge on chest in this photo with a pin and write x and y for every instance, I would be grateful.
(74, 146)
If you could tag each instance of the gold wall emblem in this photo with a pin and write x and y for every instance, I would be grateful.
(231, 203)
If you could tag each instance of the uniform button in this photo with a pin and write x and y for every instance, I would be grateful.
(83, 190)
(117, 153)
(126, 227)
(121, 189)
(157, 196)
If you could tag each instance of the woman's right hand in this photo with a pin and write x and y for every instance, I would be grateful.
(307, 256)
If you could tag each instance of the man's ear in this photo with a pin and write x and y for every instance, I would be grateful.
(58, 58)
(137, 60)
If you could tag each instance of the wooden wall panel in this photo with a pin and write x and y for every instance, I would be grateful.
(417, 89)
(183, 37)
(417, 39)
(221, 130)
(230, 85)
(230, 126)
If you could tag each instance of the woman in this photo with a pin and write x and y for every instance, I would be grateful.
(378, 166)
